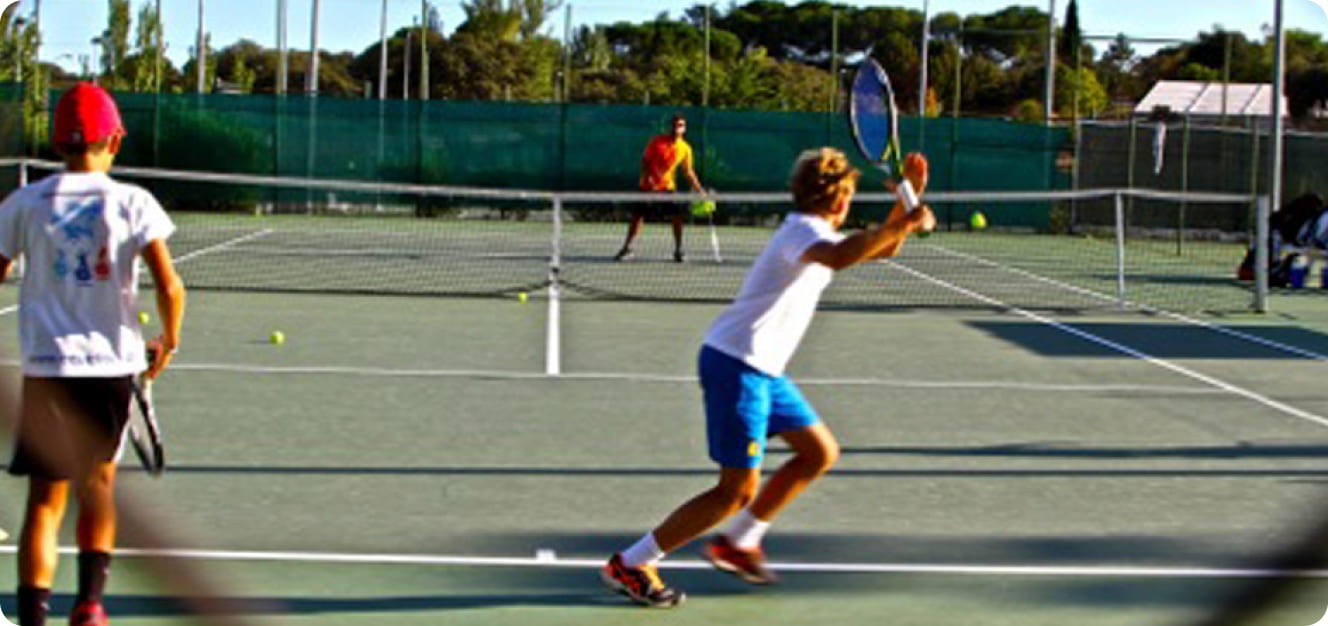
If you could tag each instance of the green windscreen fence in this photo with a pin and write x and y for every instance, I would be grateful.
(551, 146)
(1194, 158)
(11, 132)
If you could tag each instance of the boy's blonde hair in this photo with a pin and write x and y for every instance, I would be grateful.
(820, 178)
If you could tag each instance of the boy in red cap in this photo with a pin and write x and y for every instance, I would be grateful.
(81, 234)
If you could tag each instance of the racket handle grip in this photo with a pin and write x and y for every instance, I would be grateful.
(908, 195)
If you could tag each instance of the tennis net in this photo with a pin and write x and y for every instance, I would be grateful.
(1064, 251)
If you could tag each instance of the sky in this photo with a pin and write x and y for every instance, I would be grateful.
(70, 25)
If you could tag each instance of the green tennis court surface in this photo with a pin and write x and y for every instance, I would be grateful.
(404, 461)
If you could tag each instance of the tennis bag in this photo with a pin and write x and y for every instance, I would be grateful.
(1301, 224)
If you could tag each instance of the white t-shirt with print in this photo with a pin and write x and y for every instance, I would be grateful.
(80, 235)
(767, 320)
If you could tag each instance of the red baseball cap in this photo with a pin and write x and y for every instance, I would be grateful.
(86, 114)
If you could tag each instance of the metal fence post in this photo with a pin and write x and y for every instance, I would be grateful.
(1261, 253)
(1120, 250)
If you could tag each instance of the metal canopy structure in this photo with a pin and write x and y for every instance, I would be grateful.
(1199, 99)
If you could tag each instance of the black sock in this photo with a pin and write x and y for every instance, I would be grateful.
(93, 569)
(33, 603)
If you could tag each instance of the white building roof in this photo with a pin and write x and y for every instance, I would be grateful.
(1205, 98)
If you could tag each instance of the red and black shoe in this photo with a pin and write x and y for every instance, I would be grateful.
(88, 614)
(748, 565)
(642, 584)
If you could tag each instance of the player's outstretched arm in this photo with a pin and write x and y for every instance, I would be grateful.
(875, 242)
(170, 302)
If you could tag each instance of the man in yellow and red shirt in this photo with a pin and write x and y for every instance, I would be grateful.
(664, 155)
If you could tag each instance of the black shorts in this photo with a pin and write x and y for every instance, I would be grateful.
(665, 207)
(68, 425)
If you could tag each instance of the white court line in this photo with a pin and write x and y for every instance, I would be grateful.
(662, 378)
(546, 561)
(1122, 348)
(1218, 328)
(225, 244)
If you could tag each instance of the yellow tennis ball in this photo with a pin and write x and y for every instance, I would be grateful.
(522, 297)
(143, 317)
(978, 221)
(277, 338)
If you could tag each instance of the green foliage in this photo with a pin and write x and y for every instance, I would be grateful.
(763, 54)
(148, 46)
(1072, 37)
(1079, 93)
(1029, 111)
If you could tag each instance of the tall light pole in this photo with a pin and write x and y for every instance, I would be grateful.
(36, 18)
(1051, 62)
(424, 49)
(1279, 86)
(19, 23)
(161, 50)
(200, 53)
(282, 49)
(382, 53)
(311, 78)
(926, 55)
(405, 58)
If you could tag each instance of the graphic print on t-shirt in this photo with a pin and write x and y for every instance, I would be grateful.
(75, 233)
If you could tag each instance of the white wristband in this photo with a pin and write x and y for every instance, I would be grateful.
(908, 195)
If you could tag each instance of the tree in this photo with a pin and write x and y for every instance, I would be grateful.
(189, 70)
(492, 19)
(1072, 38)
(114, 42)
(1078, 93)
(149, 46)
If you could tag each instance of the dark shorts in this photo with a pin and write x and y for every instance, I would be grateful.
(665, 207)
(68, 425)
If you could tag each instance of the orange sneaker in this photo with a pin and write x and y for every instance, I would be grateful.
(88, 614)
(748, 565)
(642, 584)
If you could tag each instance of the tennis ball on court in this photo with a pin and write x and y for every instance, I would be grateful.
(143, 317)
(522, 297)
(977, 220)
(277, 338)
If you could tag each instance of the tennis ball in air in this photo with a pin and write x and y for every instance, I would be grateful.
(143, 317)
(277, 338)
(977, 220)
(522, 297)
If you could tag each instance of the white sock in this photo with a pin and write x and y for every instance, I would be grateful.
(644, 552)
(746, 531)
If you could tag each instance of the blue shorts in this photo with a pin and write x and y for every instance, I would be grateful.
(745, 406)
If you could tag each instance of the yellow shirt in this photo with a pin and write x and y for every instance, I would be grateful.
(660, 162)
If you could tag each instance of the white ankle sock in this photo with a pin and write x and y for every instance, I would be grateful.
(746, 531)
(644, 552)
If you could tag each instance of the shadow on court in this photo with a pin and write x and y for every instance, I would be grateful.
(1070, 550)
(127, 606)
(1168, 341)
(656, 472)
(1045, 450)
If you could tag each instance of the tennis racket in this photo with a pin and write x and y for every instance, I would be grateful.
(144, 431)
(873, 120)
(706, 207)
(714, 239)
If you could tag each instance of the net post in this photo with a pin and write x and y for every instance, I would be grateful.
(553, 330)
(22, 173)
(1261, 253)
(1120, 249)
